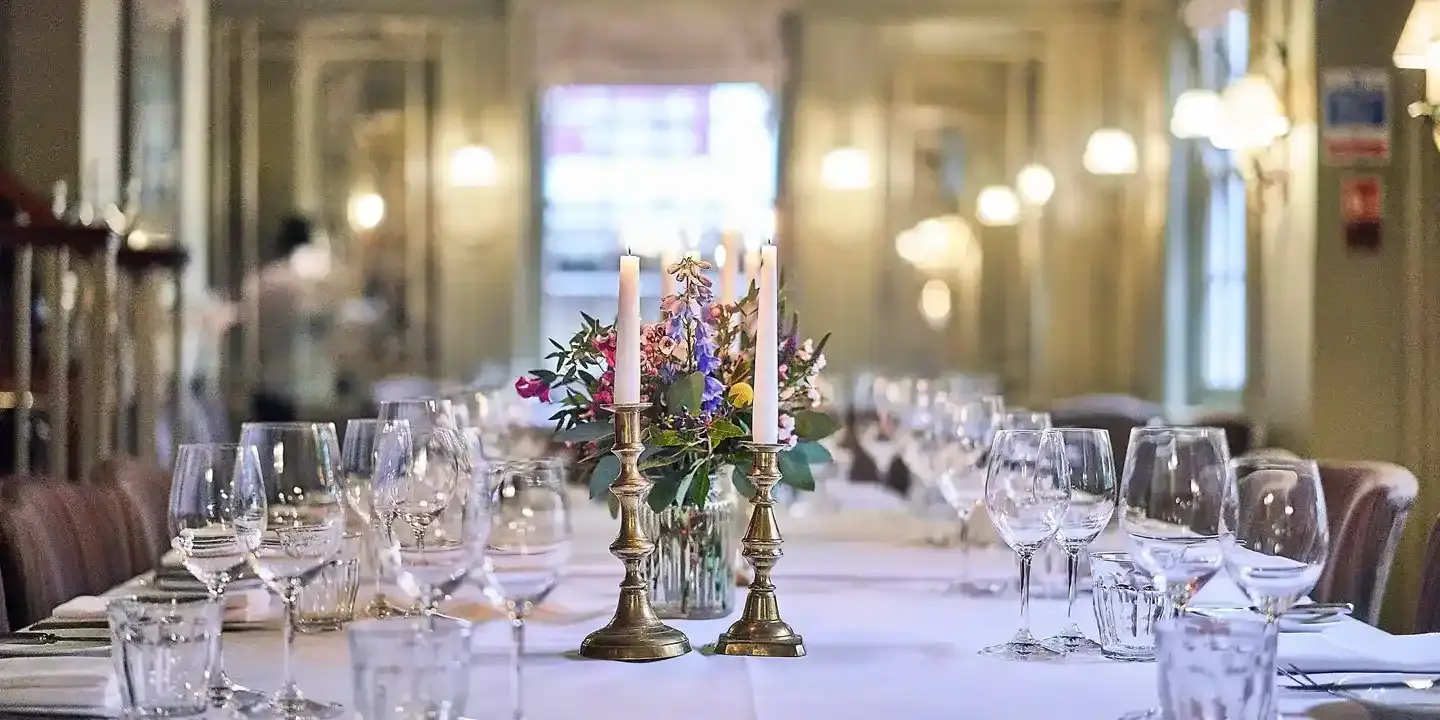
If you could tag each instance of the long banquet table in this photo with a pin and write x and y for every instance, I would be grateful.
(884, 642)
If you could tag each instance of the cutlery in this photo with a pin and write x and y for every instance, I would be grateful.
(60, 624)
(1416, 684)
(27, 638)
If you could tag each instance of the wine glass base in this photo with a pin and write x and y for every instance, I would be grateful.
(1022, 651)
(1072, 645)
(1151, 714)
(235, 696)
(380, 608)
(993, 587)
(292, 709)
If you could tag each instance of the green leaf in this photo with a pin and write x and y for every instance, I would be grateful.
(613, 503)
(740, 476)
(814, 425)
(685, 394)
(663, 492)
(700, 485)
(606, 470)
(545, 376)
(795, 471)
(666, 438)
(586, 432)
(722, 430)
(814, 453)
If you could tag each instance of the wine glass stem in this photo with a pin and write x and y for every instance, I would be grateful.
(1025, 592)
(218, 680)
(1072, 579)
(290, 599)
(517, 653)
(963, 539)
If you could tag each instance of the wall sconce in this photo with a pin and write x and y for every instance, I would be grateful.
(845, 168)
(1036, 184)
(1250, 115)
(1419, 49)
(935, 303)
(997, 206)
(366, 211)
(937, 244)
(1111, 151)
(473, 166)
(1197, 114)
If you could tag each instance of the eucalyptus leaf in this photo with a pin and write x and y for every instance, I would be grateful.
(699, 488)
(740, 476)
(722, 430)
(613, 503)
(814, 425)
(666, 438)
(814, 453)
(795, 471)
(606, 470)
(685, 393)
(663, 492)
(586, 432)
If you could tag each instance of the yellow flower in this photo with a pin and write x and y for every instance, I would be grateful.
(741, 394)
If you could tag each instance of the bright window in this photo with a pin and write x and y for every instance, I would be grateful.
(658, 161)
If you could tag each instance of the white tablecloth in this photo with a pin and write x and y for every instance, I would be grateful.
(884, 643)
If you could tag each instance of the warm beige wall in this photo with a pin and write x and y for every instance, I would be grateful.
(40, 91)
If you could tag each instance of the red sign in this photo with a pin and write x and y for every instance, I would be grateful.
(1362, 206)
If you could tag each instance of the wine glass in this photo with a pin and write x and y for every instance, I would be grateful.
(422, 490)
(969, 428)
(358, 459)
(290, 521)
(1023, 419)
(1274, 535)
(202, 532)
(1170, 498)
(1027, 493)
(1093, 495)
(528, 548)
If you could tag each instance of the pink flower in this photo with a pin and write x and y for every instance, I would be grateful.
(607, 379)
(786, 435)
(603, 398)
(782, 371)
(605, 345)
(533, 387)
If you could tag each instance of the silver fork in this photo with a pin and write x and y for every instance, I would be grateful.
(1301, 678)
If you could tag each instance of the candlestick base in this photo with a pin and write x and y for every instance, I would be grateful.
(760, 632)
(634, 634)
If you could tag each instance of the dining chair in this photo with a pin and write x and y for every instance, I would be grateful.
(1367, 503)
(1427, 611)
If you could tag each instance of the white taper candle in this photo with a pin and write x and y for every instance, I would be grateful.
(766, 419)
(627, 333)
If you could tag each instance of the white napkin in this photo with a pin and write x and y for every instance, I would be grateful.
(545, 613)
(240, 606)
(1376, 652)
(59, 685)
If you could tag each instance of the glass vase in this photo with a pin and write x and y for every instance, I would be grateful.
(692, 571)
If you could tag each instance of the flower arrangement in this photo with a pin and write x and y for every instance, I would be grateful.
(695, 370)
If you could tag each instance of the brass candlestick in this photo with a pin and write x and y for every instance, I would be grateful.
(760, 632)
(634, 634)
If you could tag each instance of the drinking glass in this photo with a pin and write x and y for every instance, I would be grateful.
(290, 521)
(434, 524)
(1093, 494)
(411, 668)
(528, 548)
(1170, 498)
(1274, 534)
(358, 460)
(164, 650)
(1128, 607)
(202, 532)
(970, 427)
(1216, 670)
(327, 602)
(1027, 492)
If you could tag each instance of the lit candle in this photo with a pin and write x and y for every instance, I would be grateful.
(765, 424)
(627, 332)
(669, 256)
(725, 259)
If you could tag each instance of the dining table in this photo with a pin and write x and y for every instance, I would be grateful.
(885, 638)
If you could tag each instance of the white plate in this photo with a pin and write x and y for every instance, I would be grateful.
(1420, 702)
(1288, 623)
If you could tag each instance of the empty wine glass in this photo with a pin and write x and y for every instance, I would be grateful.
(358, 460)
(1093, 494)
(970, 427)
(1023, 419)
(1274, 534)
(202, 532)
(1027, 492)
(528, 548)
(423, 489)
(290, 521)
(1170, 498)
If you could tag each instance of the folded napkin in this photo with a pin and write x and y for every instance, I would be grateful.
(59, 685)
(1376, 651)
(547, 613)
(240, 606)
